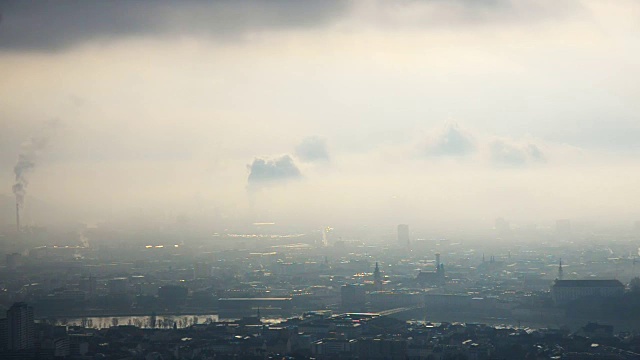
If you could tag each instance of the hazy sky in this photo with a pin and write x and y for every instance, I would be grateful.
(427, 112)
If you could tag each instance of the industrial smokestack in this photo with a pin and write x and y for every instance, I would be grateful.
(17, 217)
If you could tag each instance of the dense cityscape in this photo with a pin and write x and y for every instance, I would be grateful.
(104, 294)
(319, 179)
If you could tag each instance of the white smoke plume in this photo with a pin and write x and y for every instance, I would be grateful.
(29, 154)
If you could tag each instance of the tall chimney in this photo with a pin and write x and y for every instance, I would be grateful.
(17, 217)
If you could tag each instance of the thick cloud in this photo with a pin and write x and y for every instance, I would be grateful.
(266, 171)
(453, 141)
(507, 154)
(52, 25)
(312, 149)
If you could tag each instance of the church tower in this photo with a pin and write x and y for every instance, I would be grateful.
(560, 272)
(377, 277)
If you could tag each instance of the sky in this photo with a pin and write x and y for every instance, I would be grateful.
(440, 114)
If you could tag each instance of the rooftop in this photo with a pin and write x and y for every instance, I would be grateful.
(588, 283)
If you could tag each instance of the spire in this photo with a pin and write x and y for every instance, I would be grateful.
(560, 272)
(377, 277)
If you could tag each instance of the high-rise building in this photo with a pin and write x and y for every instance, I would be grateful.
(20, 327)
(403, 235)
(326, 235)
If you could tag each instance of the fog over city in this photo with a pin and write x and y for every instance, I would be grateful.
(442, 114)
(319, 179)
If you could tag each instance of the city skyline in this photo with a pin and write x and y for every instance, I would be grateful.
(322, 179)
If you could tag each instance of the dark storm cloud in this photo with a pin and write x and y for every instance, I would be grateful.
(53, 25)
(312, 149)
(503, 153)
(452, 142)
(266, 171)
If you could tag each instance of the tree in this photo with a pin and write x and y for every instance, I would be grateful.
(634, 285)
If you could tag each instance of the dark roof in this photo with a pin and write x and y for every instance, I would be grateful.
(587, 283)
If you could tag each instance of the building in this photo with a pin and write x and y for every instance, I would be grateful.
(365, 348)
(566, 291)
(4, 329)
(352, 297)
(20, 328)
(381, 348)
(384, 300)
(377, 277)
(334, 348)
(403, 235)
(118, 286)
(432, 278)
(326, 235)
(560, 271)
(173, 296)
(447, 301)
